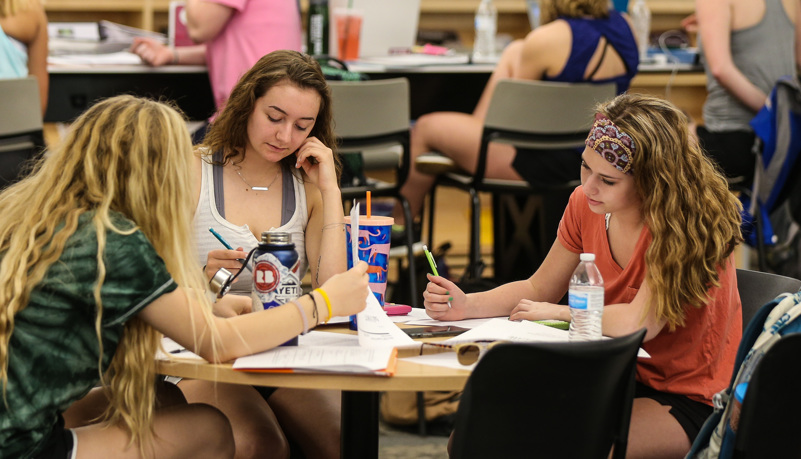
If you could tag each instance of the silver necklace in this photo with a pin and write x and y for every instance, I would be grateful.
(258, 188)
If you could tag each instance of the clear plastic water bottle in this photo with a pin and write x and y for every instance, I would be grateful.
(586, 300)
(486, 26)
(641, 17)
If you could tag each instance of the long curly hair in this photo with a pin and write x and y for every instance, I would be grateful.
(126, 155)
(229, 134)
(551, 10)
(686, 204)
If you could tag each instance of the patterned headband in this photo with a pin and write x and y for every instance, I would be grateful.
(611, 143)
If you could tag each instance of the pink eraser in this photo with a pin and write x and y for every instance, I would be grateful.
(397, 309)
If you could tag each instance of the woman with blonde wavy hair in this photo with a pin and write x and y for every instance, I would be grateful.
(662, 224)
(95, 264)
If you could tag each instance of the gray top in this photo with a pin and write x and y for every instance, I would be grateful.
(763, 53)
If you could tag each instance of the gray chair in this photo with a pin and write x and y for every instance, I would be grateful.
(549, 400)
(537, 116)
(21, 131)
(371, 119)
(756, 288)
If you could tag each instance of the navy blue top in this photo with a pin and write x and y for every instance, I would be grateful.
(586, 35)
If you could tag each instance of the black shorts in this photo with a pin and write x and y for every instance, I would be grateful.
(548, 167)
(690, 414)
(60, 443)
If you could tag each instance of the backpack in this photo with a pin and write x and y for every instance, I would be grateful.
(774, 320)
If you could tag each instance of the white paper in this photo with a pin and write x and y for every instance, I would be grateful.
(416, 60)
(175, 350)
(467, 323)
(354, 232)
(507, 330)
(120, 58)
(375, 327)
(350, 359)
(324, 338)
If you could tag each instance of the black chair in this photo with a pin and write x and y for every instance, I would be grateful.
(540, 117)
(769, 420)
(21, 132)
(371, 119)
(757, 288)
(549, 400)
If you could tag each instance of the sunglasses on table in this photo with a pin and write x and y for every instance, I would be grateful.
(466, 353)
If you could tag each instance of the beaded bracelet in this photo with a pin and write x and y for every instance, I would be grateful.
(327, 303)
(302, 316)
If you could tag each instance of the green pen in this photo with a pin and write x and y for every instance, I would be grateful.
(431, 261)
(433, 264)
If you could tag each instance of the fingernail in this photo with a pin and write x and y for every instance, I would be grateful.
(450, 298)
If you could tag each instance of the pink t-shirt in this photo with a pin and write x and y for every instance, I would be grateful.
(256, 28)
(695, 360)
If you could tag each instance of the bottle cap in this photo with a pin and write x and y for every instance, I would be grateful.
(270, 237)
(587, 257)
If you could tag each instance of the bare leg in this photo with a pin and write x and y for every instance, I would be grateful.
(458, 136)
(89, 409)
(257, 433)
(654, 432)
(312, 418)
(182, 431)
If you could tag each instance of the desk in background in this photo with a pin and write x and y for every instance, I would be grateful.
(433, 88)
(74, 88)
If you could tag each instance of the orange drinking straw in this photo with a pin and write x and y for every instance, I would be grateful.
(368, 205)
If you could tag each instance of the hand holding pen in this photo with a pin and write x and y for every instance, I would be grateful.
(433, 263)
(228, 258)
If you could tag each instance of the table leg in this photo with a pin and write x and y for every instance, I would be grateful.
(359, 425)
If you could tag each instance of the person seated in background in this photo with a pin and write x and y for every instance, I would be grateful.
(267, 164)
(578, 41)
(662, 224)
(23, 43)
(97, 264)
(747, 45)
(232, 35)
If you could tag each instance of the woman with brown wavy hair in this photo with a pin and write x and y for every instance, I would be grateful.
(95, 264)
(662, 224)
(268, 163)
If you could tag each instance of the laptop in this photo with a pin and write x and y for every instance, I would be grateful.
(386, 24)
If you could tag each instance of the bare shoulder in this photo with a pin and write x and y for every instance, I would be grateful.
(26, 24)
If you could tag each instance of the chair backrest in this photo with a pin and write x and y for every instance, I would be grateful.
(756, 288)
(21, 132)
(769, 419)
(540, 115)
(523, 400)
(371, 117)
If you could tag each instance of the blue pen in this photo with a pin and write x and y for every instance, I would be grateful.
(225, 243)
(220, 238)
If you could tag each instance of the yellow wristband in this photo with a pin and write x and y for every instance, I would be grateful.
(327, 303)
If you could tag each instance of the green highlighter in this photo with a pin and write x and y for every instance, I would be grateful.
(431, 261)
(433, 264)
